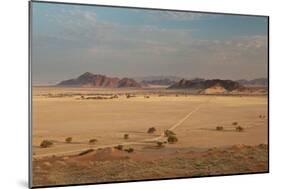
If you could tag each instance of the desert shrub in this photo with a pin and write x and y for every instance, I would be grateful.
(151, 130)
(93, 141)
(82, 97)
(235, 123)
(46, 144)
(146, 96)
(219, 128)
(68, 140)
(126, 136)
(169, 133)
(129, 150)
(160, 144)
(239, 129)
(172, 139)
(85, 152)
(119, 147)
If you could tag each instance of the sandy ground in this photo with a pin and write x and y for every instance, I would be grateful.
(108, 120)
(193, 118)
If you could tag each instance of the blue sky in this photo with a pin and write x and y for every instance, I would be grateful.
(68, 40)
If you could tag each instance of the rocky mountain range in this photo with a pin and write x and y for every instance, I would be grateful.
(201, 84)
(254, 82)
(101, 81)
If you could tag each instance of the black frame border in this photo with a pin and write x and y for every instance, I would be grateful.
(141, 8)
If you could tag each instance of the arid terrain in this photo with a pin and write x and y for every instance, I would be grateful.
(209, 141)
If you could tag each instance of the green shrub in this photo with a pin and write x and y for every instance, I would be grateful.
(46, 144)
(172, 139)
(219, 128)
(151, 130)
(235, 123)
(129, 150)
(169, 133)
(160, 144)
(93, 141)
(68, 140)
(126, 136)
(119, 147)
(239, 129)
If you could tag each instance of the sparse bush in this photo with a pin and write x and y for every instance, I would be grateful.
(239, 129)
(46, 144)
(235, 123)
(129, 150)
(146, 96)
(119, 147)
(126, 136)
(172, 139)
(93, 141)
(160, 144)
(219, 128)
(85, 152)
(68, 140)
(151, 130)
(169, 133)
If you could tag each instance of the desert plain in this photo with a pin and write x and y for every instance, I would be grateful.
(208, 141)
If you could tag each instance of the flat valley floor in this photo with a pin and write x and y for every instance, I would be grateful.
(201, 149)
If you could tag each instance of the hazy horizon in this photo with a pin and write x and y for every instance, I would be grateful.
(69, 40)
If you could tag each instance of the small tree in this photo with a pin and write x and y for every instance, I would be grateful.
(151, 130)
(68, 140)
(46, 144)
(172, 139)
(126, 136)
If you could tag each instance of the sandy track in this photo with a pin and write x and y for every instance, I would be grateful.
(129, 143)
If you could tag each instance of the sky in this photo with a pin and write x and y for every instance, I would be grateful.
(68, 40)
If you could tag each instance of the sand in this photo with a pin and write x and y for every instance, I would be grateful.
(59, 113)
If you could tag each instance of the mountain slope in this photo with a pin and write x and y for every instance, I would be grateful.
(96, 80)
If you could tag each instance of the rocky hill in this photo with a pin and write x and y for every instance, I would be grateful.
(101, 81)
(200, 84)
